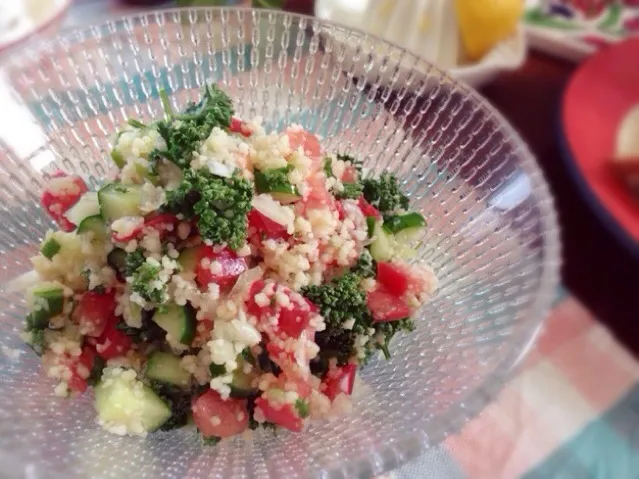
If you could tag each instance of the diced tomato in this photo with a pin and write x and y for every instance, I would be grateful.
(368, 209)
(217, 417)
(251, 306)
(93, 312)
(283, 415)
(385, 306)
(60, 194)
(163, 223)
(394, 277)
(294, 320)
(266, 226)
(78, 382)
(134, 224)
(231, 266)
(340, 380)
(295, 369)
(238, 126)
(309, 142)
(113, 342)
(340, 210)
(318, 196)
(349, 175)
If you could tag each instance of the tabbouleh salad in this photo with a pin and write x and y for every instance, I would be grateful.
(226, 274)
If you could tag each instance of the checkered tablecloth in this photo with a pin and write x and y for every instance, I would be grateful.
(572, 411)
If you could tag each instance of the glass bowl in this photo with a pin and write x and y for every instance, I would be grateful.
(492, 232)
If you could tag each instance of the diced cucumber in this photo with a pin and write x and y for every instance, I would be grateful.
(94, 224)
(382, 248)
(145, 172)
(50, 248)
(281, 191)
(178, 321)
(117, 260)
(135, 311)
(86, 206)
(188, 259)
(167, 368)
(47, 301)
(241, 385)
(370, 225)
(117, 201)
(117, 158)
(122, 400)
(286, 198)
(409, 221)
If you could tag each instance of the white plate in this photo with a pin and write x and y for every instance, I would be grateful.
(507, 55)
(20, 19)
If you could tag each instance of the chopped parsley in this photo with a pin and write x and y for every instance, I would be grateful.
(210, 441)
(184, 132)
(351, 191)
(328, 167)
(365, 265)
(384, 193)
(301, 406)
(220, 204)
(178, 400)
(145, 282)
(339, 301)
(274, 180)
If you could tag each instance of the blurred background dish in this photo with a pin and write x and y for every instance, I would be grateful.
(600, 129)
(473, 41)
(575, 29)
(19, 19)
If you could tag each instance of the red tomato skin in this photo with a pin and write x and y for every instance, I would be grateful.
(113, 342)
(294, 321)
(251, 306)
(61, 194)
(392, 277)
(232, 414)
(309, 142)
(285, 416)
(340, 210)
(93, 312)
(232, 267)
(386, 307)
(368, 209)
(349, 175)
(318, 195)
(341, 381)
(266, 226)
(164, 223)
(238, 126)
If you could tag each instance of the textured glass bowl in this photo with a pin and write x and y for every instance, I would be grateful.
(492, 232)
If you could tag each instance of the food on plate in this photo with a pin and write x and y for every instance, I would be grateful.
(626, 158)
(226, 274)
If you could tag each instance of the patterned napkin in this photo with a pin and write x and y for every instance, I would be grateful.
(576, 28)
(572, 411)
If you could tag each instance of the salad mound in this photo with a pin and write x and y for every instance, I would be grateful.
(226, 274)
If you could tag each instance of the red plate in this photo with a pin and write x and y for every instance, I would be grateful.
(598, 97)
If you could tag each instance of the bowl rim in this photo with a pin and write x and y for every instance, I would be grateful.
(387, 457)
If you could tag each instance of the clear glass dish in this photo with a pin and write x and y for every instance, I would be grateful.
(492, 232)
